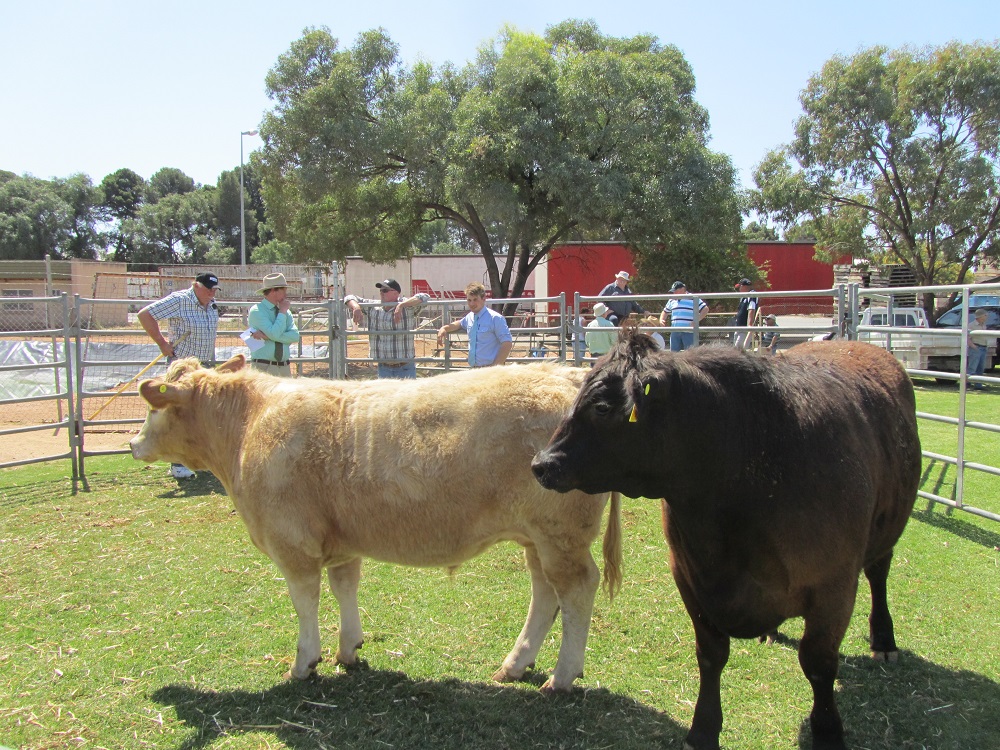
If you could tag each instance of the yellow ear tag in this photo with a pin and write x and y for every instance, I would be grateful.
(647, 389)
(163, 389)
(632, 417)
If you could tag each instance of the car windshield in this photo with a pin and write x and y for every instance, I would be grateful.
(953, 318)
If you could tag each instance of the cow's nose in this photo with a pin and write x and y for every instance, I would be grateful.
(541, 467)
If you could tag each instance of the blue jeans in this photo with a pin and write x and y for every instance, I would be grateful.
(406, 371)
(681, 340)
(976, 362)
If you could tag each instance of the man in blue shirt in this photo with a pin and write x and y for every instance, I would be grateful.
(274, 325)
(490, 341)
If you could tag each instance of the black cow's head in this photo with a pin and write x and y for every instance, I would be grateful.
(608, 442)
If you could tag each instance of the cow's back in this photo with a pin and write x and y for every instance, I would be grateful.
(425, 472)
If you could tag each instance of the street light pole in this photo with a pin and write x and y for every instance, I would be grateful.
(243, 236)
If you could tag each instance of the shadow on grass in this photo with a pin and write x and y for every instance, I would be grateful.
(913, 704)
(378, 709)
(950, 522)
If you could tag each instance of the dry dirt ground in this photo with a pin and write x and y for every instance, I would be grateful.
(50, 441)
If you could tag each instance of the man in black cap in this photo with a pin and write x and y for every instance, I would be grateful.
(391, 319)
(194, 319)
(747, 311)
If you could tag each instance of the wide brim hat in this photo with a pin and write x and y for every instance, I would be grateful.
(600, 310)
(623, 275)
(273, 281)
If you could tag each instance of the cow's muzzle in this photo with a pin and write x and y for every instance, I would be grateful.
(548, 470)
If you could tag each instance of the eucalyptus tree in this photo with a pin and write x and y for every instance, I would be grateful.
(35, 220)
(539, 140)
(895, 159)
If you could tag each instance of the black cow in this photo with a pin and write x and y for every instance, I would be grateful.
(783, 478)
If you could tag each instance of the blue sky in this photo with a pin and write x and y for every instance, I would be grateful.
(95, 86)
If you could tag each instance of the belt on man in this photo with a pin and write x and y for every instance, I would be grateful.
(394, 364)
(271, 362)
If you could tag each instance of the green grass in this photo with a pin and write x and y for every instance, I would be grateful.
(135, 612)
(981, 490)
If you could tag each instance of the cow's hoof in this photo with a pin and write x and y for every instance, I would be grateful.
(507, 675)
(769, 637)
(350, 658)
(302, 674)
(886, 656)
(550, 688)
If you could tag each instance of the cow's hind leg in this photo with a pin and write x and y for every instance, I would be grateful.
(541, 614)
(881, 634)
(344, 580)
(819, 655)
(304, 589)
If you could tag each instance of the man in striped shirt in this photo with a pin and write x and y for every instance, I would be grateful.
(680, 312)
(194, 319)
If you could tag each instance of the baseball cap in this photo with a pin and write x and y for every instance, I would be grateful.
(389, 284)
(207, 280)
(677, 285)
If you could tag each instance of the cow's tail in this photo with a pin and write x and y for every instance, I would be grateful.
(612, 547)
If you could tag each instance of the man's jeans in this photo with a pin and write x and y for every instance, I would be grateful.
(407, 371)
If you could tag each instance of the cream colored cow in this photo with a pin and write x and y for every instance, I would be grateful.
(426, 472)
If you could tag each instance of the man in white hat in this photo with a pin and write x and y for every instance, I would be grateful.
(601, 333)
(620, 309)
(273, 324)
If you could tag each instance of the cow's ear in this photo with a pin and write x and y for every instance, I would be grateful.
(159, 394)
(233, 364)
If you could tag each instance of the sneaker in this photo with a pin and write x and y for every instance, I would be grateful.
(179, 471)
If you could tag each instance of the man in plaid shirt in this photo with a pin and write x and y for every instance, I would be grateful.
(392, 351)
(194, 316)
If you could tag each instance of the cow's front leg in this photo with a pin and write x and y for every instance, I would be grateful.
(712, 651)
(304, 589)
(541, 614)
(344, 580)
(575, 577)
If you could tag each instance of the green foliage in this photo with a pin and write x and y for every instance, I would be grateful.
(175, 229)
(898, 159)
(168, 181)
(34, 220)
(274, 251)
(155, 622)
(540, 139)
(84, 201)
(755, 231)
(122, 194)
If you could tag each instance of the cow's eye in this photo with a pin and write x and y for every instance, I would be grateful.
(602, 408)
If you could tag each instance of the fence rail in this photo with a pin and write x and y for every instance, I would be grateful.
(63, 375)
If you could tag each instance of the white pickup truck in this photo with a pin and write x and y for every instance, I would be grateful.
(923, 349)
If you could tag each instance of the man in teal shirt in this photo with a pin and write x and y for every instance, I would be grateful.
(272, 325)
